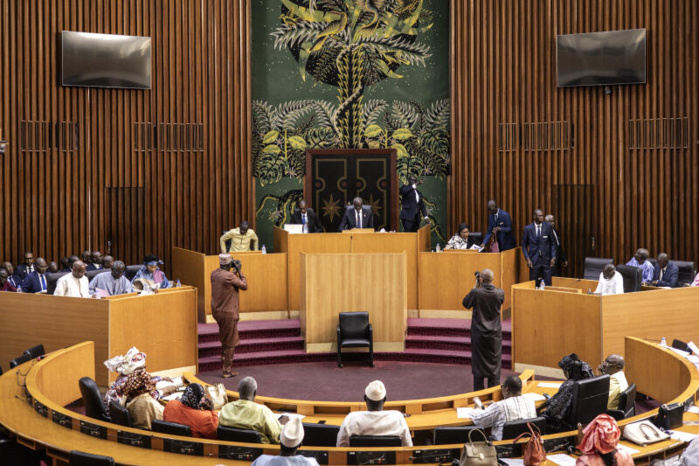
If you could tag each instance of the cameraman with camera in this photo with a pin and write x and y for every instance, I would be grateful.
(225, 286)
(486, 331)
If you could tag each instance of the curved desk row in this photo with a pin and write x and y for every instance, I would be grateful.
(36, 415)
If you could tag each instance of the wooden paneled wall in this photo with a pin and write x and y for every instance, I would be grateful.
(518, 138)
(146, 170)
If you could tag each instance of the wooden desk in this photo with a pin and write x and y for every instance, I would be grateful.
(593, 326)
(374, 283)
(260, 270)
(163, 326)
(446, 278)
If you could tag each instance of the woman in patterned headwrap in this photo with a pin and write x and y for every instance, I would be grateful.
(193, 409)
(599, 444)
(558, 406)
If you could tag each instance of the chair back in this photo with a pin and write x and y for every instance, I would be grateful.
(94, 406)
(375, 441)
(320, 435)
(594, 266)
(52, 280)
(79, 458)
(90, 274)
(590, 397)
(131, 271)
(354, 325)
(35, 351)
(686, 272)
(633, 277)
(119, 414)
(475, 237)
(514, 429)
(627, 401)
(451, 435)
(20, 360)
(233, 434)
(172, 428)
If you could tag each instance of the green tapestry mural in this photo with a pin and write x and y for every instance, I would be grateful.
(331, 74)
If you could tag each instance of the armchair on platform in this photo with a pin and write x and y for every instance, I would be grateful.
(79, 458)
(594, 266)
(514, 429)
(375, 441)
(590, 397)
(633, 277)
(94, 407)
(233, 434)
(686, 272)
(627, 404)
(320, 435)
(355, 331)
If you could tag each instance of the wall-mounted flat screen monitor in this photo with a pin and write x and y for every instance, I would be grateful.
(105, 60)
(602, 58)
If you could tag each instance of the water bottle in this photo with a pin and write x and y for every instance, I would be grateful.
(542, 285)
(663, 342)
(178, 284)
(438, 248)
(19, 289)
(264, 249)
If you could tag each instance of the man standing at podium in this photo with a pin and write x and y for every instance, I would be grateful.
(413, 207)
(224, 307)
(486, 331)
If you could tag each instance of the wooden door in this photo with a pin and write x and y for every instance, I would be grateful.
(576, 223)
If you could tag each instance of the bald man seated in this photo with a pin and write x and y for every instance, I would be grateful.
(614, 366)
(357, 216)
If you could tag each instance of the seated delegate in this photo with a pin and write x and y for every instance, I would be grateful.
(640, 260)
(5, 284)
(600, 443)
(291, 439)
(193, 409)
(666, 273)
(244, 413)
(111, 283)
(514, 407)
(614, 366)
(150, 273)
(610, 281)
(461, 239)
(558, 407)
(242, 239)
(358, 216)
(374, 421)
(74, 284)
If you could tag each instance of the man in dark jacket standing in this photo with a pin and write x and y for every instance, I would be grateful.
(486, 331)
(413, 207)
(224, 307)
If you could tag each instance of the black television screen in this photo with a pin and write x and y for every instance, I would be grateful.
(602, 58)
(105, 60)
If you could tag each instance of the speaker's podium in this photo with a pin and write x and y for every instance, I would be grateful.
(334, 283)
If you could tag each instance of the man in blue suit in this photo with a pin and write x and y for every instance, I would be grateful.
(539, 248)
(36, 281)
(666, 273)
(499, 223)
(413, 207)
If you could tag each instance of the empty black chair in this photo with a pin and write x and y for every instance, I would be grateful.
(79, 458)
(355, 331)
(680, 345)
(633, 277)
(94, 406)
(514, 429)
(172, 428)
(52, 280)
(590, 397)
(451, 435)
(131, 271)
(627, 404)
(119, 414)
(375, 441)
(320, 435)
(35, 351)
(594, 266)
(475, 237)
(686, 272)
(20, 360)
(233, 434)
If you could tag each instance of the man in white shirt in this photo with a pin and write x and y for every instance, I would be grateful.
(374, 421)
(610, 281)
(290, 439)
(614, 366)
(74, 284)
(514, 407)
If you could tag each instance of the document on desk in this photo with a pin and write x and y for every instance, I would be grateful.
(693, 410)
(682, 436)
(534, 397)
(512, 461)
(562, 460)
(466, 413)
(549, 384)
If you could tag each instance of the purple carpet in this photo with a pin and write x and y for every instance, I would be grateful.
(324, 381)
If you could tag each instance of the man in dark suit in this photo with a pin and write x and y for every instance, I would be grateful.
(539, 248)
(561, 258)
(12, 278)
(306, 217)
(358, 216)
(26, 267)
(37, 281)
(666, 273)
(500, 224)
(413, 206)
(96, 264)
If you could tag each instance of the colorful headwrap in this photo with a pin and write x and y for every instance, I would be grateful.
(601, 435)
(575, 367)
(192, 396)
(127, 363)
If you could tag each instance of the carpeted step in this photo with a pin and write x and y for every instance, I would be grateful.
(449, 327)
(213, 348)
(460, 343)
(254, 329)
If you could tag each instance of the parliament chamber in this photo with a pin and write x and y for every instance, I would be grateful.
(346, 232)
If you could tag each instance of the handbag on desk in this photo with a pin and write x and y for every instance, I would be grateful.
(533, 452)
(670, 416)
(478, 453)
(218, 395)
(644, 433)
